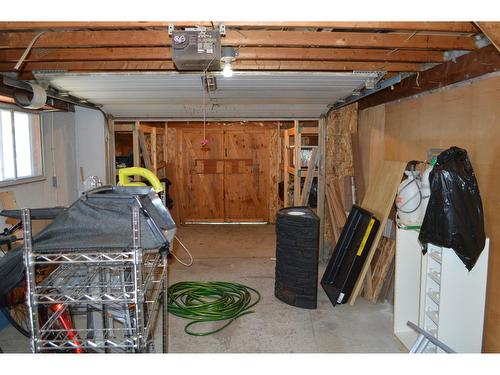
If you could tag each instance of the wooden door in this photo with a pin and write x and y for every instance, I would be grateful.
(202, 175)
(226, 181)
(246, 175)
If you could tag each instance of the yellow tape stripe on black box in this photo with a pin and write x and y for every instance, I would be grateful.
(365, 238)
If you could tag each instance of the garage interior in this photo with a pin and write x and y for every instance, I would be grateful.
(272, 139)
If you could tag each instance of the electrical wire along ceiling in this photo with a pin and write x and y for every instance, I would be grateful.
(245, 95)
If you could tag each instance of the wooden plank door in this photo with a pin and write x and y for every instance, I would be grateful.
(246, 174)
(202, 173)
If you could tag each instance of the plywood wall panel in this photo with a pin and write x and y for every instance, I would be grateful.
(341, 124)
(467, 116)
(370, 136)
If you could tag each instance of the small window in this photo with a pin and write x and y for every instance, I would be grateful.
(20, 145)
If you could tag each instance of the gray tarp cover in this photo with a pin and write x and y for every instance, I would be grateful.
(104, 220)
(101, 219)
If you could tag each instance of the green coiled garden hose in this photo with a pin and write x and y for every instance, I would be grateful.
(210, 301)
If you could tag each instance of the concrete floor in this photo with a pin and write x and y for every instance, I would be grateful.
(244, 254)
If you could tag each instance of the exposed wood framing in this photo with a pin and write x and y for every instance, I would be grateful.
(462, 27)
(379, 269)
(286, 164)
(486, 60)
(325, 65)
(340, 125)
(352, 39)
(311, 171)
(244, 53)
(297, 164)
(154, 38)
(492, 31)
(136, 146)
(286, 46)
(336, 54)
(274, 171)
(84, 66)
(146, 157)
(157, 65)
(322, 182)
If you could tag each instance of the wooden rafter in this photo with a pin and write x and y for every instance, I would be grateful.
(460, 27)
(343, 39)
(325, 65)
(238, 65)
(151, 38)
(492, 31)
(338, 54)
(244, 53)
(301, 46)
(477, 63)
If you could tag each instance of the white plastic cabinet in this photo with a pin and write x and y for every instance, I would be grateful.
(437, 292)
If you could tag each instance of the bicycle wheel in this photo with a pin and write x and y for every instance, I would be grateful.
(19, 317)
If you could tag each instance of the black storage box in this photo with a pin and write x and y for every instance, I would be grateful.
(349, 255)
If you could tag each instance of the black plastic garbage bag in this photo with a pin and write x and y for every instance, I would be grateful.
(454, 215)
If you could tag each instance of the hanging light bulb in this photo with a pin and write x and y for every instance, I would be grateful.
(228, 55)
(228, 70)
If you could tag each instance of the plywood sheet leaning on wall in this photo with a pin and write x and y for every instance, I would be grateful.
(341, 124)
(379, 199)
(379, 268)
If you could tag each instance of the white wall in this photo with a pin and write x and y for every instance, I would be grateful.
(58, 135)
(90, 149)
(70, 140)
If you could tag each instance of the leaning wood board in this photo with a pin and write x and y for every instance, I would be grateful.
(380, 267)
(379, 198)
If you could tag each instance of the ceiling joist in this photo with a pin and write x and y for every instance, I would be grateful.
(244, 53)
(325, 65)
(492, 31)
(483, 61)
(84, 66)
(458, 27)
(153, 38)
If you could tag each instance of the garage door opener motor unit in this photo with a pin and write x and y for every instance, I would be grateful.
(196, 50)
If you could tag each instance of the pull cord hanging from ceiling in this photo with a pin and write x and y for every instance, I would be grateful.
(204, 87)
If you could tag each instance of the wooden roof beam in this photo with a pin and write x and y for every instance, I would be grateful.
(492, 31)
(325, 65)
(483, 61)
(245, 53)
(83, 66)
(459, 27)
(347, 39)
(152, 38)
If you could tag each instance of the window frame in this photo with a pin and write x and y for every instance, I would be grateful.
(25, 180)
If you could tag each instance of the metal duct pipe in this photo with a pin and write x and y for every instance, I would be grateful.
(33, 98)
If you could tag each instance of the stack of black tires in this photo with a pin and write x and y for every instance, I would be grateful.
(297, 244)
